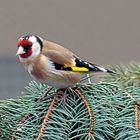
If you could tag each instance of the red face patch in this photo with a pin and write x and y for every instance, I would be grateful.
(27, 54)
(24, 43)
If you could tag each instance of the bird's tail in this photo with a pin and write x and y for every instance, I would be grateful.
(101, 69)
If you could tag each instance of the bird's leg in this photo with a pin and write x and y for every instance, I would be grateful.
(46, 95)
(47, 92)
(63, 95)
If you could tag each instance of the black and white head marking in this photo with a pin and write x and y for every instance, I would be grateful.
(36, 45)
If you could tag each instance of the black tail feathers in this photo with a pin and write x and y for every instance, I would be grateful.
(101, 69)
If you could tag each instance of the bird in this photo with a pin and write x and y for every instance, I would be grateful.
(53, 64)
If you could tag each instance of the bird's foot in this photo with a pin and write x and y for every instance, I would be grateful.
(62, 96)
(46, 95)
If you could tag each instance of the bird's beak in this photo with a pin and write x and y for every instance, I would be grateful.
(20, 51)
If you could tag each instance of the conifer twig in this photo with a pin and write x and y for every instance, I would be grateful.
(136, 118)
(21, 123)
(46, 118)
(136, 125)
(26, 116)
(90, 131)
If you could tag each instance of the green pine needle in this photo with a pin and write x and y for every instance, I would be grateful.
(112, 103)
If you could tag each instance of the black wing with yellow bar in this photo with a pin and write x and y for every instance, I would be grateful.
(81, 66)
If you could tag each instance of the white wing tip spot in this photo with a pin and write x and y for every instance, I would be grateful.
(102, 69)
(90, 66)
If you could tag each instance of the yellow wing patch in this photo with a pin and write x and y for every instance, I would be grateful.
(79, 69)
(76, 68)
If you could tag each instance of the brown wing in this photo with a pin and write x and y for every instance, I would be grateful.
(58, 54)
(60, 57)
(64, 59)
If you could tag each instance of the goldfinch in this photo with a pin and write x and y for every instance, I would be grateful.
(49, 62)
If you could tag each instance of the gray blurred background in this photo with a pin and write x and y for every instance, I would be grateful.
(100, 31)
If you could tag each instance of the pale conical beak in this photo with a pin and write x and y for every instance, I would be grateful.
(20, 51)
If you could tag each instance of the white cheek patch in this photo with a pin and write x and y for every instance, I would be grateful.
(32, 39)
(36, 48)
(35, 51)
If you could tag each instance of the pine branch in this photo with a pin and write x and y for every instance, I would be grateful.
(126, 74)
(114, 104)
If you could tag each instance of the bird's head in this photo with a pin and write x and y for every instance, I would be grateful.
(29, 47)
